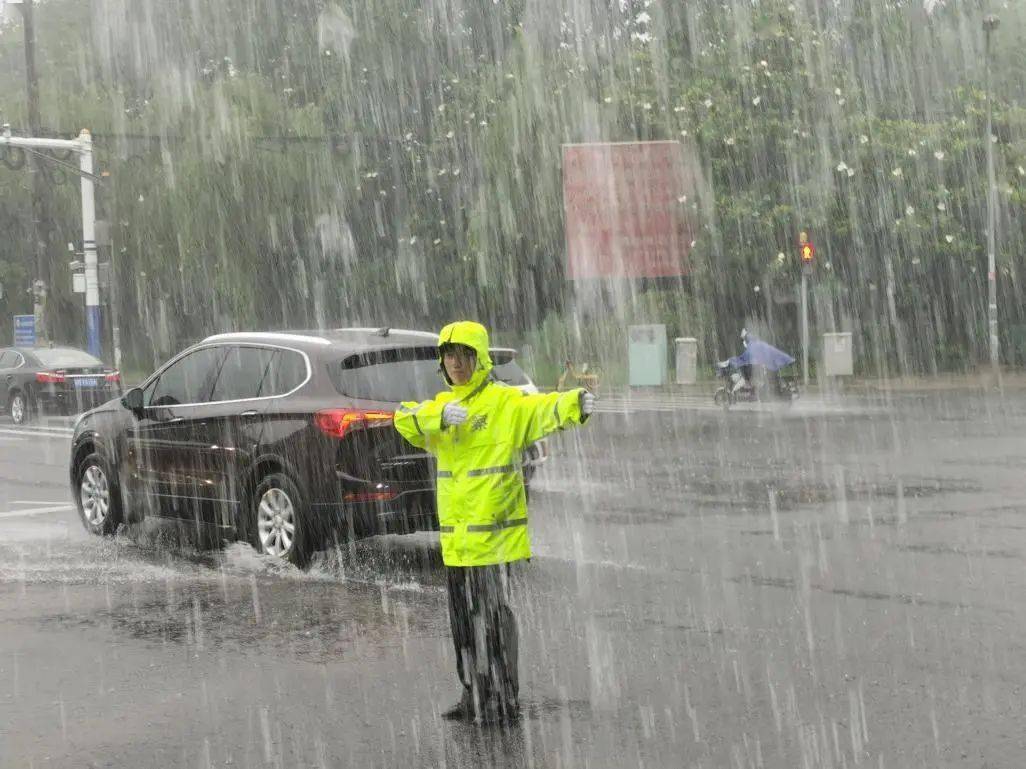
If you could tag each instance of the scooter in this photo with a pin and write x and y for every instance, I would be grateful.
(771, 387)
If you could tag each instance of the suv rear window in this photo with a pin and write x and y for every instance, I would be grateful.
(400, 374)
(408, 374)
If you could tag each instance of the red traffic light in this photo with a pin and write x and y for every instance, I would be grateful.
(807, 252)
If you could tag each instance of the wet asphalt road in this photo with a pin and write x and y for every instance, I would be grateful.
(833, 585)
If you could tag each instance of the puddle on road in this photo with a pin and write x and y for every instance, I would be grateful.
(358, 601)
(322, 622)
(785, 583)
(1011, 461)
(938, 549)
(74, 562)
(791, 496)
(696, 498)
(161, 552)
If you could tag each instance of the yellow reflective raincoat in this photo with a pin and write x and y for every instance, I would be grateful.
(482, 506)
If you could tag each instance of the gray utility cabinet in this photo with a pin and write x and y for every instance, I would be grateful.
(686, 357)
(647, 355)
(838, 356)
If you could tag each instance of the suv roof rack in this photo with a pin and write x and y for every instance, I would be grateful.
(281, 336)
(391, 331)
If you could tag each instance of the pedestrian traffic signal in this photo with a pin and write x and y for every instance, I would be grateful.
(808, 253)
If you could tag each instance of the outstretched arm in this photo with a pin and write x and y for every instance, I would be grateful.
(545, 413)
(419, 422)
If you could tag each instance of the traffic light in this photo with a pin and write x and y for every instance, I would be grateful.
(808, 253)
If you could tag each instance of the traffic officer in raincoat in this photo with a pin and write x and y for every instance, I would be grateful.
(478, 430)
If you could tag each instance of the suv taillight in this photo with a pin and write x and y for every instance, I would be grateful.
(339, 422)
(113, 376)
(49, 377)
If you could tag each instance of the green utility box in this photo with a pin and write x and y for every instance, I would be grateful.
(1017, 343)
(647, 355)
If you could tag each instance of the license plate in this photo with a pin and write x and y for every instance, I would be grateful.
(90, 382)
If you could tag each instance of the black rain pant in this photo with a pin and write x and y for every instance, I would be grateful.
(484, 634)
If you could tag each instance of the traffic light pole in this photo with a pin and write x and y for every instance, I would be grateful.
(989, 25)
(805, 326)
(806, 253)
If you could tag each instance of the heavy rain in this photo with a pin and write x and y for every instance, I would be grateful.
(512, 383)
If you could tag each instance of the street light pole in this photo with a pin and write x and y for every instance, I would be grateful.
(105, 246)
(990, 23)
(40, 207)
(85, 160)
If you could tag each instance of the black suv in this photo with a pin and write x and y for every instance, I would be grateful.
(284, 440)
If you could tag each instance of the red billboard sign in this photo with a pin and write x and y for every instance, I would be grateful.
(629, 209)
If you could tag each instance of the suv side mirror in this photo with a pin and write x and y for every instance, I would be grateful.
(133, 400)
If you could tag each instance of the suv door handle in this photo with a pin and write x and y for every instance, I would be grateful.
(249, 413)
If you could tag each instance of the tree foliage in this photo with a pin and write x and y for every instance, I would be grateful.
(311, 163)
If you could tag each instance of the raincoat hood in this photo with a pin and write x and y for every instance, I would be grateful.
(475, 336)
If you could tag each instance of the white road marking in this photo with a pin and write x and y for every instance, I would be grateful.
(36, 511)
(37, 425)
(45, 428)
(37, 433)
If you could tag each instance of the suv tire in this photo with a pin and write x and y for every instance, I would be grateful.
(279, 521)
(97, 500)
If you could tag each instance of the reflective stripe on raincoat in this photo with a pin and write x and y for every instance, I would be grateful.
(482, 506)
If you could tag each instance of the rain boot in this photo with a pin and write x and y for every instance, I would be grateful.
(463, 710)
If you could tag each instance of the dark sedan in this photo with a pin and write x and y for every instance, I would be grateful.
(284, 440)
(54, 380)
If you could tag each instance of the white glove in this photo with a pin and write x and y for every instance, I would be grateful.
(587, 404)
(453, 414)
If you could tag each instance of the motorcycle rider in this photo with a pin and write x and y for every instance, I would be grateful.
(741, 375)
(755, 353)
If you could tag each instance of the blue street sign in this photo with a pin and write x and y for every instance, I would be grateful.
(93, 330)
(24, 330)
